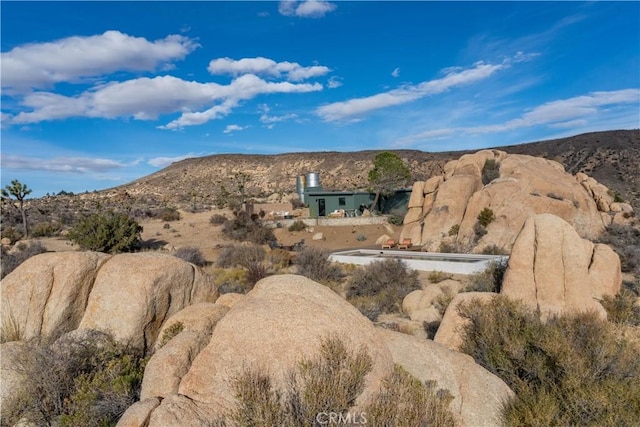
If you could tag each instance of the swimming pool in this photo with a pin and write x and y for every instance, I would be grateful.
(426, 261)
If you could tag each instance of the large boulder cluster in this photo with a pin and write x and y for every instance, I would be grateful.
(445, 208)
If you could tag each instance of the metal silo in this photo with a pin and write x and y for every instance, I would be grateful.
(301, 184)
(313, 180)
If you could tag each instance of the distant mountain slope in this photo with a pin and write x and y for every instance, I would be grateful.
(612, 157)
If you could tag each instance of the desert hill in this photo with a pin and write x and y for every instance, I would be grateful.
(611, 157)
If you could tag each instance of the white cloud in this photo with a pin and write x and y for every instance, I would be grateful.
(422, 136)
(40, 65)
(161, 162)
(233, 128)
(306, 8)
(396, 72)
(78, 165)
(565, 112)
(453, 78)
(147, 98)
(265, 66)
(334, 82)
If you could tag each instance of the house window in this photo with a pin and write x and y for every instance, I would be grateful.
(342, 201)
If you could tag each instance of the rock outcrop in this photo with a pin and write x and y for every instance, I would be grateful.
(128, 295)
(520, 186)
(553, 270)
(422, 305)
(478, 395)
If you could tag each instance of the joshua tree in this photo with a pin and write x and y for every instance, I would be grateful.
(18, 191)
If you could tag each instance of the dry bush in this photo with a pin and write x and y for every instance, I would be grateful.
(169, 214)
(218, 219)
(571, 370)
(45, 229)
(249, 257)
(490, 171)
(244, 227)
(379, 287)
(438, 276)
(231, 280)
(191, 254)
(314, 263)
(489, 280)
(80, 380)
(297, 225)
(279, 259)
(405, 401)
(11, 260)
(625, 241)
(623, 307)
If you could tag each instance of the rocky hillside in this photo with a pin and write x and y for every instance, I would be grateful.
(612, 157)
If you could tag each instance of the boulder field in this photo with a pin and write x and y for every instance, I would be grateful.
(445, 208)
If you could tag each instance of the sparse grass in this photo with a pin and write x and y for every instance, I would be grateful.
(231, 280)
(279, 258)
(249, 257)
(625, 241)
(11, 329)
(379, 287)
(571, 370)
(622, 308)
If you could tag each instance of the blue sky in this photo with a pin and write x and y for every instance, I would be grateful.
(97, 94)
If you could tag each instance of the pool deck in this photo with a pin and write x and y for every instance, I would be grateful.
(417, 260)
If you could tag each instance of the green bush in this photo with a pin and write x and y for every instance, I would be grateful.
(109, 232)
(454, 230)
(486, 217)
(395, 220)
(170, 332)
(314, 263)
(379, 287)
(297, 225)
(490, 171)
(81, 380)
(45, 229)
(571, 370)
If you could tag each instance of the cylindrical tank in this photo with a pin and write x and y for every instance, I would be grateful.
(313, 179)
(301, 184)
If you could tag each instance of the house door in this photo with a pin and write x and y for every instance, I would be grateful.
(322, 210)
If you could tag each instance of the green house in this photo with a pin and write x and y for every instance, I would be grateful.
(322, 203)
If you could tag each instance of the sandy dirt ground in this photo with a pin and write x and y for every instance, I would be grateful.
(195, 229)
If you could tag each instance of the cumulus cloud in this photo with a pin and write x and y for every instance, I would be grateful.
(40, 65)
(453, 78)
(79, 165)
(147, 98)
(306, 8)
(565, 112)
(161, 162)
(233, 128)
(292, 71)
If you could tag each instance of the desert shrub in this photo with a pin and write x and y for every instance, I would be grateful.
(622, 308)
(243, 227)
(11, 329)
(329, 382)
(438, 276)
(454, 230)
(571, 370)
(109, 232)
(405, 401)
(45, 229)
(450, 248)
(395, 219)
(314, 263)
(479, 231)
(296, 203)
(169, 214)
(361, 237)
(217, 219)
(240, 255)
(489, 280)
(191, 254)
(494, 249)
(297, 225)
(170, 332)
(11, 233)
(490, 171)
(379, 287)
(486, 217)
(624, 240)
(279, 258)
(11, 260)
(84, 380)
(617, 197)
